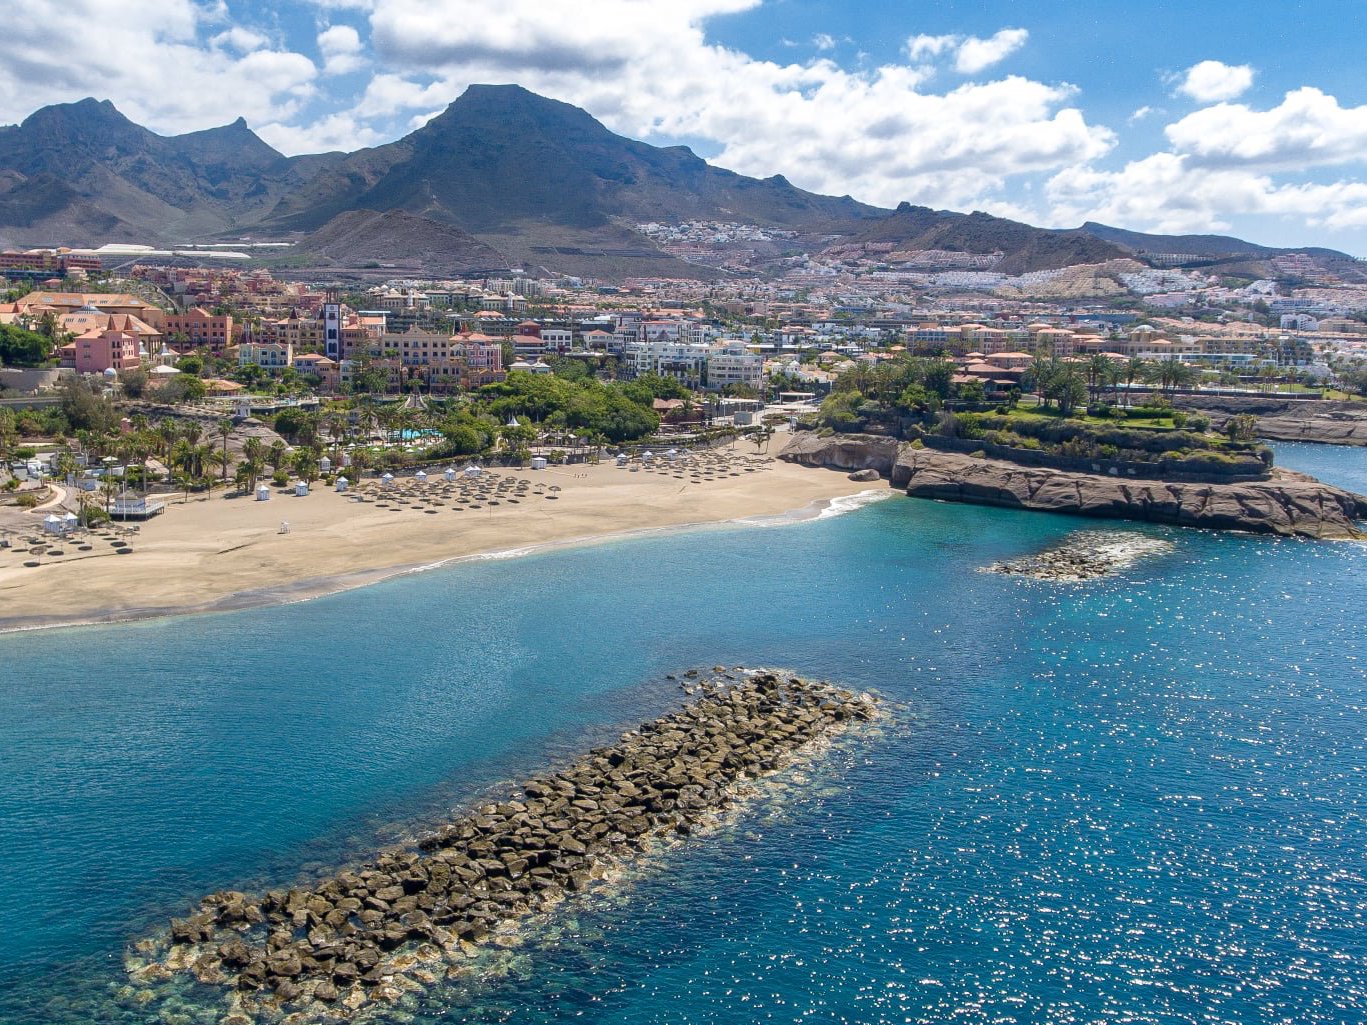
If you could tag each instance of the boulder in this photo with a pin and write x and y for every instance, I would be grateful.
(842, 452)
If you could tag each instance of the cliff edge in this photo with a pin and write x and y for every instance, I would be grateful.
(1289, 504)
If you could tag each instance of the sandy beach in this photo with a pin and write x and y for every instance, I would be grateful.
(228, 552)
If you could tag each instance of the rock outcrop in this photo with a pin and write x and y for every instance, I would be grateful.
(1327, 423)
(844, 451)
(1085, 555)
(371, 932)
(1288, 504)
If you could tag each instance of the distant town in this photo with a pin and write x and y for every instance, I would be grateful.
(249, 330)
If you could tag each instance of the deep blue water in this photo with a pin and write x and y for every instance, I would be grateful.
(1139, 800)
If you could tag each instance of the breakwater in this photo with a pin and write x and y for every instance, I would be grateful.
(368, 934)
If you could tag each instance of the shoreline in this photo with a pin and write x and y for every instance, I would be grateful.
(818, 494)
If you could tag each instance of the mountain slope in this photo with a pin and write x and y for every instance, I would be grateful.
(500, 158)
(360, 238)
(1225, 254)
(538, 182)
(85, 164)
(1026, 247)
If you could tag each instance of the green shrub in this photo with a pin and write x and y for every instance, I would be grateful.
(27, 500)
(918, 444)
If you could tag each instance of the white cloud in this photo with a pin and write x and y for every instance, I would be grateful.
(341, 48)
(928, 47)
(1229, 162)
(172, 82)
(342, 131)
(241, 39)
(1308, 128)
(823, 41)
(1212, 81)
(979, 54)
(1139, 115)
(1166, 193)
(875, 133)
(971, 53)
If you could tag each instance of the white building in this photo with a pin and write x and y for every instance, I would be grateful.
(682, 361)
(270, 355)
(731, 363)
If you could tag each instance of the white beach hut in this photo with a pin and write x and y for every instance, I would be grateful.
(301, 488)
(621, 459)
(70, 522)
(450, 473)
(52, 523)
(420, 476)
(538, 462)
(473, 471)
(341, 485)
(387, 480)
(325, 465)
(672, 454)
(263, 493)
(647, 456)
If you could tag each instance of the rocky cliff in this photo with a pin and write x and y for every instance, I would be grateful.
(843, 452)
(1329, 423)
(1289, 504)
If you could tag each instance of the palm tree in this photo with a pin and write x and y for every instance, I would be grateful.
(225, 428)
(1098, 372)
(223, 460)
(1135, 369)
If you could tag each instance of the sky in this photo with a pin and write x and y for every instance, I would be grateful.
(1197, 116)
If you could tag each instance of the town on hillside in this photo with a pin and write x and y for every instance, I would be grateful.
(302, 380)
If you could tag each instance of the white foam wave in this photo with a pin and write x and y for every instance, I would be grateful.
(853, 503)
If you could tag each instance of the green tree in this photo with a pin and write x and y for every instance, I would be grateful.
(20, 347)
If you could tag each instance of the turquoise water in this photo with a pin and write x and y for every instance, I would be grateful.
(1139, 800)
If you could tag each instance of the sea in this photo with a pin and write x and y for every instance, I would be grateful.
(1135, 800)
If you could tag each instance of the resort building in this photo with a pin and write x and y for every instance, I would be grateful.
(196, 328)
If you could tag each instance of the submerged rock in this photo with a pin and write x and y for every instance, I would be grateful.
(1085, 555)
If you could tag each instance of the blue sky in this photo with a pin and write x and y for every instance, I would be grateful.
(1245, 118)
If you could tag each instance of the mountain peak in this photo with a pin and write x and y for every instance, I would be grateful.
(88, 112)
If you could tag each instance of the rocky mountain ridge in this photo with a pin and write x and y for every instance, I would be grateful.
(539, 182)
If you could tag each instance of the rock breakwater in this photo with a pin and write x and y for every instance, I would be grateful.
(368, 934)
(1085, 555)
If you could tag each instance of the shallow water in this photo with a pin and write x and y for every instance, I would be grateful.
(1134, 800)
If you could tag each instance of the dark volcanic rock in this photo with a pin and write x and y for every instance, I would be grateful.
(349, 935)
(1290, 504)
